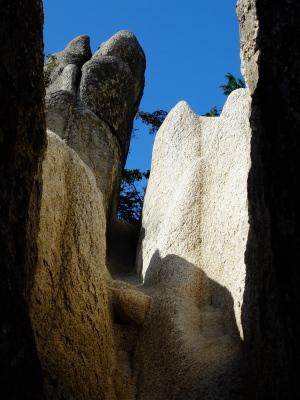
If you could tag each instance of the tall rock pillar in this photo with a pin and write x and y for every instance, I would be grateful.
(270, 32)
(91, 102)
(22, 143)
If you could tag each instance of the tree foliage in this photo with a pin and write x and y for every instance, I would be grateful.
(232, 84)
(131, 197)
(154, 119)
(214, 112)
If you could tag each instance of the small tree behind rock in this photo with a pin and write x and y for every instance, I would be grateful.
(154, 119)
(232, 84)
(131, 197)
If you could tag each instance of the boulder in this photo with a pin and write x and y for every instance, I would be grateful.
(76, 54)
(124, 46)
(91, 102)
(191, 254)
(70, 305)
(196, 201)
(187, 348)
(85, 324)
(106, 89)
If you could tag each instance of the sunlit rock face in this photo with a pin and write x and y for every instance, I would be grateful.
(191, 254)
(70, 305)
(196, 200)
(91, 102)
(77, 311)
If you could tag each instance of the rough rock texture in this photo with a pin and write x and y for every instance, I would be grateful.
(69, 302)
(130, 307)
(187, 348)
(270, 32)
(248, 34)
(22, 142)
(75, 308)
(196, 200)
(191, 255)
(91, 103)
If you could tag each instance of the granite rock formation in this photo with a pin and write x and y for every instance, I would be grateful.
(191, 255)
(219, 244)
(196, 201)
(85, 324)
(75, 307)
(270, 34)
(91, 102)
(22, 144)
(69, 305)
(187, 348)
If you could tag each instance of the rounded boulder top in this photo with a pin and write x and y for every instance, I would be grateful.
(125, 46)
(78, 51)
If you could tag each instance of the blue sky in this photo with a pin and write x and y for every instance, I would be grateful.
(189, 45)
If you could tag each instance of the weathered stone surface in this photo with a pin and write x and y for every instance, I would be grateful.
(22, 144)
(191, 255)
(85, 325)
(249, 50)
(130, 309)
(91, 103)
(124, 46)
(106, 89)
(99, 151)
(187, 348)
(270, 34)
(70, 306)
(196, 201)
(130, 303)
(76, 53)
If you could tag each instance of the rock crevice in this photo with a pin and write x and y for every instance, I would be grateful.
(214, 314)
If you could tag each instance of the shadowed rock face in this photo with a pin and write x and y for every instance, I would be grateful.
(187, 349)
(270, 32)
(91, 103)
(22, 144)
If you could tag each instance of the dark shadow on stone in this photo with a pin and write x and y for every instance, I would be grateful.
(139, 253)
(189, 347)
(22, 144)
(122, 239)
(270, 313)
